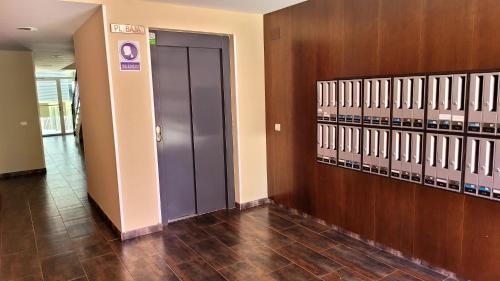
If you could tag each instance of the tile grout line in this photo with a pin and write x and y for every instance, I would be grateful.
(182, 241)
(368, 254)
(36, 243)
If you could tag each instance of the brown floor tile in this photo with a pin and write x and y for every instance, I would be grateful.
(313, 225)
(268, 219)
(50, 225)
(309, 238)
(17, 223)
(44, 213)
(80, 279)
(215, 253)
(36, 277)
(20, 265)
(197, 270)
(62, 192)
(81, 227)
(174, 251)
(400, 276)
(227, 234)
(14, 242)
(298, 219)
(308, 259)
(268, 237)
(349, 241)
(359, 262)
(106, 268)
(62, 267)
(152, 268)
(53, 244)
(203, 220)
(292, 273)
(87, 247)
(67, 202)
(281, 211)
(133, 249)
(408, 266)
(345, 274)
(187, 232)
(73, 214)
(242, 271)
(226, 215)
(260, 256)
(233, 216)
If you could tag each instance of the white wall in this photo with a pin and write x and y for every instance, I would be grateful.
(21, 147)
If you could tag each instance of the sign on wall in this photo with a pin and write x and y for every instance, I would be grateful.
(129, 54)
(127, 28)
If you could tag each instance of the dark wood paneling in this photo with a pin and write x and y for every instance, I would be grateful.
(438, 227)
(324, 39)
(402, 41)
(360, 37)
(481, 240)
(486, 36)
(395, 214)
(277, 34)
(447, 35)
(359, 202)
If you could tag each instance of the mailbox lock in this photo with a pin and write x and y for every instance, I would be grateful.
(159, 137)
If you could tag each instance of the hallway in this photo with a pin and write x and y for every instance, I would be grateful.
(51, 232)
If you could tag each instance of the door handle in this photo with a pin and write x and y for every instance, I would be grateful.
(159, 137)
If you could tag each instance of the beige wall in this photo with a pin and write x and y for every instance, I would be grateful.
(131, 93)
(97, 116)
(21, 146)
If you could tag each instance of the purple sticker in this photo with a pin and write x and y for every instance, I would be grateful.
(129, 56)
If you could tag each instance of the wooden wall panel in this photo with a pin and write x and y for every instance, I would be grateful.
(330, 196)
(325, 39)
(481, 247)
(486, 36)
(438, 227)
(395, 214)
(359, 203)
(360, 37)
(400, 44)
(277, 34)
(447, 35)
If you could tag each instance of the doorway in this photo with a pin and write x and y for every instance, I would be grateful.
(55, 99)
(191, 82)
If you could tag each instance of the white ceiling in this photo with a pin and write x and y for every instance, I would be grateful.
(247, 6)
(56, 21)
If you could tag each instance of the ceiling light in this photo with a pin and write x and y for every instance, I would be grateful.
(27, 28)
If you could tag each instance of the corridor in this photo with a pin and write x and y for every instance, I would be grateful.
(49, 231)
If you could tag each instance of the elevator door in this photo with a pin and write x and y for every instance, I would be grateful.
(190, 116)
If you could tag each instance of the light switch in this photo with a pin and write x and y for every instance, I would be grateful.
(277, 127)
(24, 123)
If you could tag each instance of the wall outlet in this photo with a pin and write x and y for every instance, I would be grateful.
(24, 123)
(277, 127)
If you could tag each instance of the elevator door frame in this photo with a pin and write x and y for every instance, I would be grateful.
(196, 40)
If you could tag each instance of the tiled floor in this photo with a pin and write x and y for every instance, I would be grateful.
(50, 232)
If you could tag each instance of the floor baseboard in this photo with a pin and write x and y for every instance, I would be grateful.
(23, 173)
(141, 232)
(252, 204)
